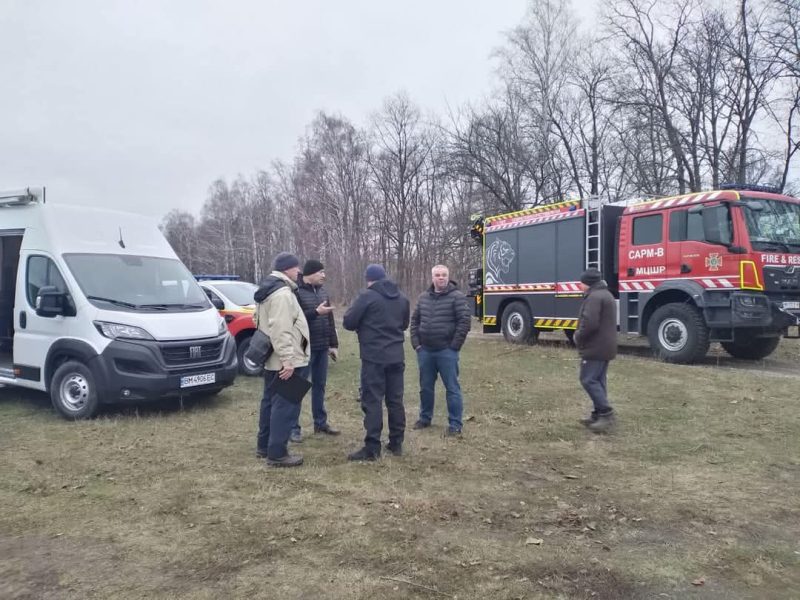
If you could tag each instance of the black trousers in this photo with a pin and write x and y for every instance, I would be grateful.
(381, 383)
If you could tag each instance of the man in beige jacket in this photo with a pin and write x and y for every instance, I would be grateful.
(279, 316)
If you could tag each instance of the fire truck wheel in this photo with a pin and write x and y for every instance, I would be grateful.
(678, 333)
(751, 348)
(247, 367)
(570, 333)
(518, 325)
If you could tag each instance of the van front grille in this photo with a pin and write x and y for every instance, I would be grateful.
(189, 354)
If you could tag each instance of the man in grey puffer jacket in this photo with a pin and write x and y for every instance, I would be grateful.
(439, 327)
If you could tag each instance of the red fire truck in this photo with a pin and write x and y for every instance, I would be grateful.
(720, 266)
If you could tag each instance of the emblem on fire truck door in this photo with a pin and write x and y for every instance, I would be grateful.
(714, 262)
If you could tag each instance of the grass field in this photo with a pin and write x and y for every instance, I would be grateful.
(697, 495)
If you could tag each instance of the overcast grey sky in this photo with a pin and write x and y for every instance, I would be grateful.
(141, 105)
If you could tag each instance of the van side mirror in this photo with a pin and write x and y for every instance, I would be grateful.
(50, 302)
(218, 304)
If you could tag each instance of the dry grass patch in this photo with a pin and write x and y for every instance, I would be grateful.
(700, 482)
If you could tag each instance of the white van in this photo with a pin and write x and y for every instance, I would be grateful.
(95, 307)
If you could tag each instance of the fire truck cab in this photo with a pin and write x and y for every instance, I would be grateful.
(720, 266)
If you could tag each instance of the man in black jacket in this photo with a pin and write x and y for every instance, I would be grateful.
(596, 340)
(315, 302)
(380, 315)
(439, 326)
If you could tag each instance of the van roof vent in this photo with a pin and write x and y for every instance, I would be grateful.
(23, 196)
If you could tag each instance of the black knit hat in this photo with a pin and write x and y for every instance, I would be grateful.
(312, 266)
(591, 276)
(285, 261)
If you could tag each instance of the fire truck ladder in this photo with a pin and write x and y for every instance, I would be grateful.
(593, 233)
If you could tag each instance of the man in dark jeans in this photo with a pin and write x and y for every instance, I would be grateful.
(439, 326)
(596, 340)
(316, 307)
(279, 316)
(380, 315)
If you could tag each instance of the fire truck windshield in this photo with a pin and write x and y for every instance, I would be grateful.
(773, 225)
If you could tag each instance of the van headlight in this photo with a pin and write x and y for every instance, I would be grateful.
(223, 326)
(118, 330)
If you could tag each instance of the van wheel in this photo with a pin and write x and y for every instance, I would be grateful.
(73, 391)
(247, 367)
(751, 348)
(517, 324)
(678, 334)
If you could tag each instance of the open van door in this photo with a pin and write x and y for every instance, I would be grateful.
(10, 242)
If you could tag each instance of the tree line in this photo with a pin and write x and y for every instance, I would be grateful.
(656, 98)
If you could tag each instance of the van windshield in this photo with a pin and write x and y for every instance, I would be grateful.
(141, 283)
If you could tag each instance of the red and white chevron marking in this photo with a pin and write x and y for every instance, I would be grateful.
(521, 287)
(679, 201)
(716, 283)
(636, 286)
(533, 219)
(712, 283)
(569, 287)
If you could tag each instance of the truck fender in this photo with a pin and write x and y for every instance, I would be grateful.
(672, 291)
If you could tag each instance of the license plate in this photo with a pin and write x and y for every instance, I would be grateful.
(193, 380)
(791, 306)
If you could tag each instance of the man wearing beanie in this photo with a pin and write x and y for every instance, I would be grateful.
(596, 340)
(316, 306)
(279, 316)
(380, 314)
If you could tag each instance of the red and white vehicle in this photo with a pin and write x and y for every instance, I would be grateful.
(234, 300)
(720, 266)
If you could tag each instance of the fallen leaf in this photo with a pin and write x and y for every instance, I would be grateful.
(700, 581)
(532, 541)
(570, 476)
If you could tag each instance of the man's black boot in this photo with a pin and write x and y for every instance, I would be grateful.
(326, 429)
(290, 460)
(364, 455)
(605, 423)
(394, 449)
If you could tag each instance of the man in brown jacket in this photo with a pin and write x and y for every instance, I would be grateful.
(596, 340)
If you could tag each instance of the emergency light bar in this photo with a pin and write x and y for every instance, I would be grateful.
(751, 187)
(218, 277)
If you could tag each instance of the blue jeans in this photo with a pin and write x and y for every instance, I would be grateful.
(445, 364)
(275, 420)
(318, 371)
